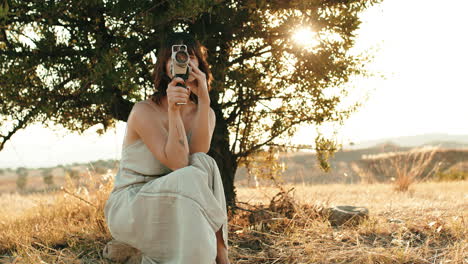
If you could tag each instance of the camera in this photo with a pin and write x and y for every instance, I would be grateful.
(180, 64)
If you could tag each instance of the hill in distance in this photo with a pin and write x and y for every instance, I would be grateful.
(441, 140)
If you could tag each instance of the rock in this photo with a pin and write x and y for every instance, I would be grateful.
(346, 215)
(121, 253)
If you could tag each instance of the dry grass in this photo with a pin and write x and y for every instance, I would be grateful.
(61, 227)
(426, 225)
(406, 167)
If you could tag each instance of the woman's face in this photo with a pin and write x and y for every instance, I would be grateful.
(194, 60)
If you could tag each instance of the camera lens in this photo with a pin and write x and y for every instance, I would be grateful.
(181, 57)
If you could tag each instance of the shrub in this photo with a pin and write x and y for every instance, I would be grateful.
(405, 168)
(48, 177)
(452, 175)
(21, 181)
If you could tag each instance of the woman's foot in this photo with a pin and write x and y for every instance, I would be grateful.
(222, 257)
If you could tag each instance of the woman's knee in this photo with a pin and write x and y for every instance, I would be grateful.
(203, 157)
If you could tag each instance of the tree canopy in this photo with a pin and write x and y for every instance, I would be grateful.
(82, 63)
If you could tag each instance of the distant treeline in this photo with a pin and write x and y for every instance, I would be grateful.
(99, 165)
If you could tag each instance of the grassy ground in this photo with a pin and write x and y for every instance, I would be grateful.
(428, 224)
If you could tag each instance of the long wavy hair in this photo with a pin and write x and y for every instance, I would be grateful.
(160, 77)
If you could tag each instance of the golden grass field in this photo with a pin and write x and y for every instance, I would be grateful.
(427, 224)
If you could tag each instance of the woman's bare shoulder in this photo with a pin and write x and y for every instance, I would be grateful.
(144, 111)
(149, 105)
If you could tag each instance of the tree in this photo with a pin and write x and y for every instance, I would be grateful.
(21, 180)
(47, 176)
(88, 62)
(72, 173)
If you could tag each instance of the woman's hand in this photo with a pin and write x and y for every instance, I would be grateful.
(176, 94)
(201, 90)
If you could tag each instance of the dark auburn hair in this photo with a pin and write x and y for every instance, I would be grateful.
(160, 77)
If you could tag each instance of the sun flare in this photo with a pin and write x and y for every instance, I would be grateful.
(305, 37)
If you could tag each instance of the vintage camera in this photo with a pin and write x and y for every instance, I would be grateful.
(180, 64)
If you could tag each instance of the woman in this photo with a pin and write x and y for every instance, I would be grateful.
(168, 198)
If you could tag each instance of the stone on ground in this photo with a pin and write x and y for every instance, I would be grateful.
(347, 215)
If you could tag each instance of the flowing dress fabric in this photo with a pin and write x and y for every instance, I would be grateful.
(171, 216)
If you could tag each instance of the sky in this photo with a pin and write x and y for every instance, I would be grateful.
(422, 53)
(420, 46)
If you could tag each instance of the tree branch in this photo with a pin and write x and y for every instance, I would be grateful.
(248, 55)
(21, 124)
(255, 147)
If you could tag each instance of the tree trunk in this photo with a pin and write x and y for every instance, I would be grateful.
(227, 168)
(226, 161)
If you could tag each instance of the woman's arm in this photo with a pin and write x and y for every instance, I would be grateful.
(203, 127)
(205, 118)
(176, 148)
(170, 146)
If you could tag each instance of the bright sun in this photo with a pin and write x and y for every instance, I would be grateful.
(305, 37)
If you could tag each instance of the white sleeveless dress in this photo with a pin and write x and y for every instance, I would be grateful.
(170, 216)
